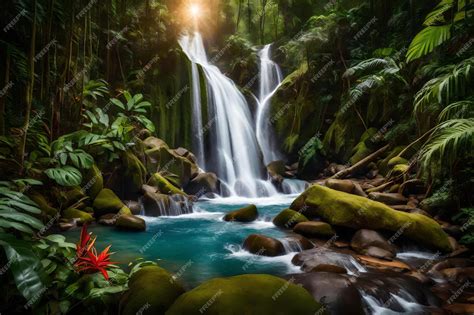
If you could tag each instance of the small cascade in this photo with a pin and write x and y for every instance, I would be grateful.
(197, 117)
(293, 186)
(166, 206)
(291, 245)
(270, 80)
(404, 306)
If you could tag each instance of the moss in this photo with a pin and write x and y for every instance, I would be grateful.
(73, 196)
(395, 161)
(131, 223)
(164, 185)
(398, 170)
(288, 218)
(382, 165)
(314, 229)
(94, 182)
(152, 290)
(43, 204)
(246, 294)
(361, 150)
(83, 217)
(107, 202)
(134, 170)
(246, 214)
(342, 136)
(343, 209)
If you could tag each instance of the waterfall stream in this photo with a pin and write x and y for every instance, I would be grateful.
(234, 153)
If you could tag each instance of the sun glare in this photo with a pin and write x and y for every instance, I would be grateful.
(195, 10)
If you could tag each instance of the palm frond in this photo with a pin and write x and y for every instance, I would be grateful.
(450, 140)
(427, 40)
(365, 66)
(457, 110)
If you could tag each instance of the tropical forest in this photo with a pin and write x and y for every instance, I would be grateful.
(228, 157)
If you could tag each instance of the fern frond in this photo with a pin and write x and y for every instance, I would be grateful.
(427, 40)
(457, 110)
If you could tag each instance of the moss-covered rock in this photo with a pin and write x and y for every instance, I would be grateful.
(383, 164)
(288, 219)
(152, 290)
(164, 186)
(81, 216)
(43, 204)
(395, 161)
(73, 196)
(263, 245)
(130, 222)
(314, 229)
(246, 214)
(342, 209)
(246, 294)
(94, 182)
(108, 202)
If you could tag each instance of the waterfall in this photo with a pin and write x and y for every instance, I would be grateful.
(234, 153)
(197, 117)
(270, 80)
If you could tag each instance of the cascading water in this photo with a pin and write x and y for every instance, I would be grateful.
(270, 80)
(197, 117)
(234, 153)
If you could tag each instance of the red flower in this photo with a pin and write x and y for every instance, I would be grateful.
(87, 259)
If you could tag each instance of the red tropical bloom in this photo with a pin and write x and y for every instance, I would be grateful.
(87, 259)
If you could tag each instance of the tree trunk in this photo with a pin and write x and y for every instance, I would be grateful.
(361, 164)
(29, 89)
(239, 13)
(3, 98)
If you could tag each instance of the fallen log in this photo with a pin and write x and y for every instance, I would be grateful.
(361, 164)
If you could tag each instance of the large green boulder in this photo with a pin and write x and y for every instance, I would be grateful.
(164, 186)
(343, 209)
(94, 182)
(288, 219)
(75, 214)
(108, 202)
(246, 294)
(246, 214)
(362, 150)
(152, 290)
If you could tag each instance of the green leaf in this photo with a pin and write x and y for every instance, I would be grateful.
(118, 103)
(65, 176)
(427, 40)
(23, 218)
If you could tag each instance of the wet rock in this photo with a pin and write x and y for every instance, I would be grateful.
(372, 243)
(314, 229)
(345, 185)
(108, 219)
(404, 208)
(130, 223)
(150, 189)
(246, 214)
(462, 309)
(298, 243)
(382, 263)
(134, 206)
(394, 188)
(263, 245)
(64, 226)
(347, 210)
(372, 173)
(309, 259)
(329, 268)
(164, 185)
(288, 219)
(155, 204)
(187, 154)
(202, 184)
(336, 291)
(276, 170)
(388, 198)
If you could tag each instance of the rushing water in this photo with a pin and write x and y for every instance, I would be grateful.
(200, 245)
(270, 79)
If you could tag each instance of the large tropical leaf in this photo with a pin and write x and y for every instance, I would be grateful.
(448, 143)
(427, 40)
(65, 176)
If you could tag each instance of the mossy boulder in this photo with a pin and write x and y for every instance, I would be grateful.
(246, 214)
(343, 209)
(164, 186)
(73, 196)
(246, 294)
(75, 214)
(383, 164)
(288, 219)
(43, 204)
(314, 229)
(94, 182)
(108, 202)
(395, 161)
(152, 290)
(263, 245)
(130, 222)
